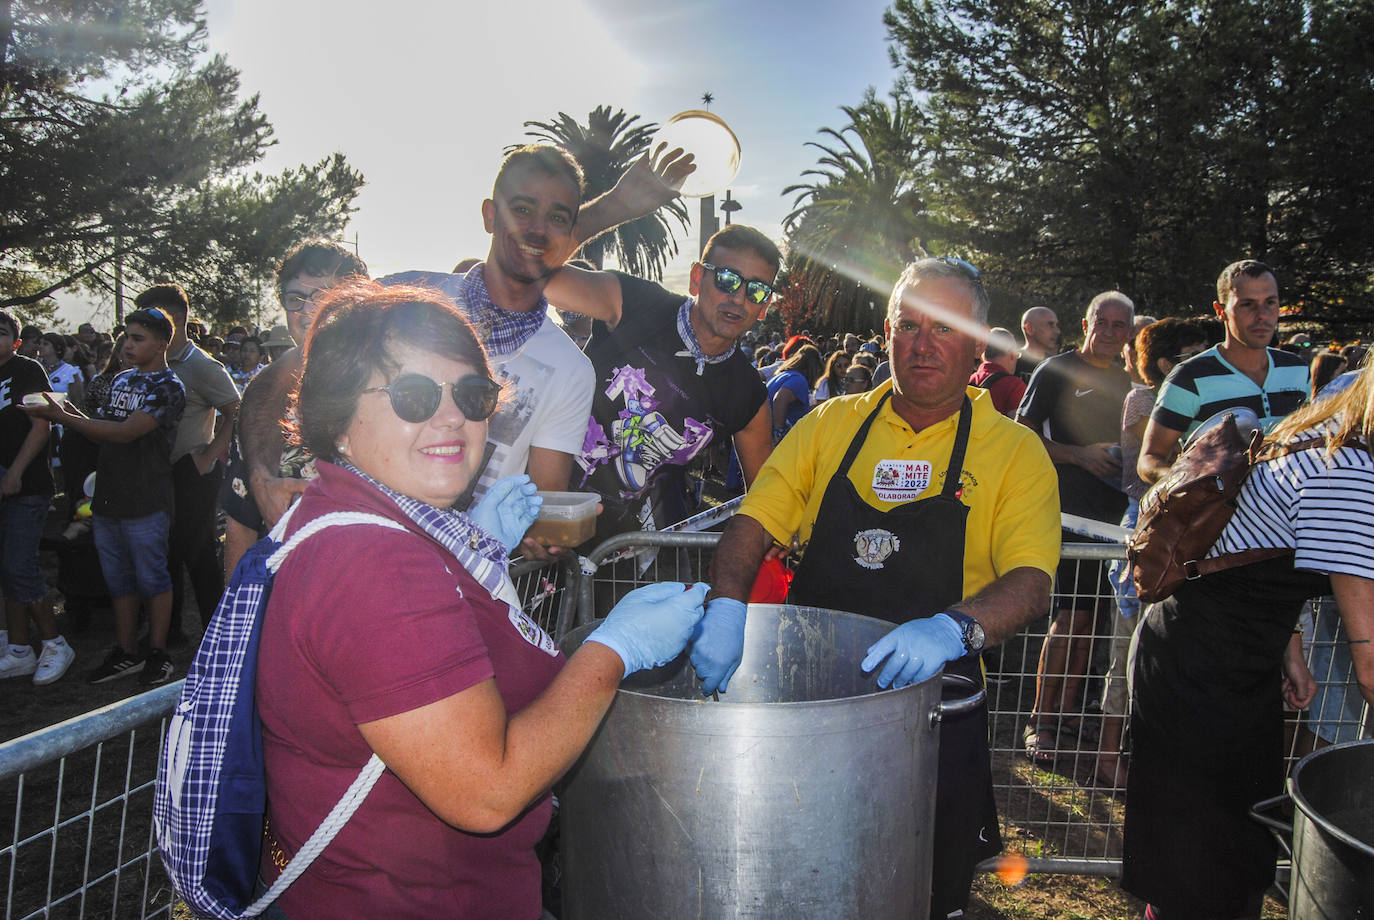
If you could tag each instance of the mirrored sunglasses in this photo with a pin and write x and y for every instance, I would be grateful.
(415, 398)
(728, 281)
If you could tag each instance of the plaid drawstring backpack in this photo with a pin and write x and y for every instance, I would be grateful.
(211, 796)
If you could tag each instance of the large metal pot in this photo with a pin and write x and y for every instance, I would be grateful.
(1332, 833)
(805, 791)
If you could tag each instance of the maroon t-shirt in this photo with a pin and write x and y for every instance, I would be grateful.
(1006, 391)
(365, 623)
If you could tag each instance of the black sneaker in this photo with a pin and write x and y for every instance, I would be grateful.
(117, 664)
(157, 668)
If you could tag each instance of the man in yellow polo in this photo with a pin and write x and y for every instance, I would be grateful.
(917, 503)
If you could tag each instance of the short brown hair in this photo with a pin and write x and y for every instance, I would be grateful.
(740, 238)
(319, 259)
(349, 339)
(545, 158)
(164, 296)
(152, 319)
(1250, 268)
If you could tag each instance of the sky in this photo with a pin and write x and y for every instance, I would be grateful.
(422, 97)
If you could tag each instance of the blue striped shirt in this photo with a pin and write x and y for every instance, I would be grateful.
(1206, 384)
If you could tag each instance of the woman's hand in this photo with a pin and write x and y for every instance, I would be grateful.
(651, 625)
(508, 509)
(1299, 686)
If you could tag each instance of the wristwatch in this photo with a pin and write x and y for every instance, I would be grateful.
(972, 630)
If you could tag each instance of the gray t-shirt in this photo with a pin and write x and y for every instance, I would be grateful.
(208, 386)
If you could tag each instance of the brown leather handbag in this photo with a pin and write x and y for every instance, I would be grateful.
(1182, 516)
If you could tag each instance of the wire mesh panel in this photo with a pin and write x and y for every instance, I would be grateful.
(549, 592)
(77, 800)
(1054, 806)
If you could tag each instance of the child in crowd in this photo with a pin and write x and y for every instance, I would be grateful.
(133, 492)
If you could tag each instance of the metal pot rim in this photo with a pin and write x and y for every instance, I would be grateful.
(1311, 812)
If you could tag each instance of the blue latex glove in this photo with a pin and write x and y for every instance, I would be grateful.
(718, 644)
(508, 509)
(916, 650)
(651, 625)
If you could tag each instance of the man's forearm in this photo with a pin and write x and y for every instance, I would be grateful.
(1150, 468)
(1060, 453)
(735, 565)
(1004, 607)
(224, 430)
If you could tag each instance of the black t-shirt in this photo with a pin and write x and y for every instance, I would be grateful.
(1073, 402)
(20, 376)
(1080, 402)
(652, 412)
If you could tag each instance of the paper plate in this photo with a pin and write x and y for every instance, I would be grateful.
(710, 140)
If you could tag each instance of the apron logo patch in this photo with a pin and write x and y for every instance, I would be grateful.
(874, 546)
(900, 480)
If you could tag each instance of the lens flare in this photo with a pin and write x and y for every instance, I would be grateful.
(1012, 869)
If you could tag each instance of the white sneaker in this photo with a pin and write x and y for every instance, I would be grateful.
(57, 656)
(12, 665)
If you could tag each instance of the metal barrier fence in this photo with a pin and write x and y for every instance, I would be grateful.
(78, 795)
(1056, 814)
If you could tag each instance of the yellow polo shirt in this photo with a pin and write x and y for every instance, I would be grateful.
(1008, 480)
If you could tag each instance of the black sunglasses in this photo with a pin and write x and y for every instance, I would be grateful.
(415, 398)
(728, 281)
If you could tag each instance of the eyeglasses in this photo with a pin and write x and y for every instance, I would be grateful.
(415, 398)
(968, 268)
(728, 281)
(295, 301)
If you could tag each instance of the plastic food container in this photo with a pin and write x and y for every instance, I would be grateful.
(565, 519)
(36, 399)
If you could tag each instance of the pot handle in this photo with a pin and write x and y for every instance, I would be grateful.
(963, 706)
(1282, 830)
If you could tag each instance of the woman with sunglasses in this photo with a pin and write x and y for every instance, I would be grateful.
(405, 642)
(832, 382)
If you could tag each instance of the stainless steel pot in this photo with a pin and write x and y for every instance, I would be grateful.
(804, 792)
(1332, 833)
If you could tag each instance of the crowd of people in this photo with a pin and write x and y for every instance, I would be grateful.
(918, 475)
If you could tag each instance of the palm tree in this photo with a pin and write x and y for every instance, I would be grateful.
(862, 216)
(605, 147)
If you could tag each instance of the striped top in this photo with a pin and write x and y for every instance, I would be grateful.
(1322, 508)
(1206, 384)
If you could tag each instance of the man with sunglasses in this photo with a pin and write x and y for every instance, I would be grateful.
(920, 504)
(265, 474)
(670, 376)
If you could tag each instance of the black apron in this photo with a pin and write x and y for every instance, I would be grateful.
(903, 564)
